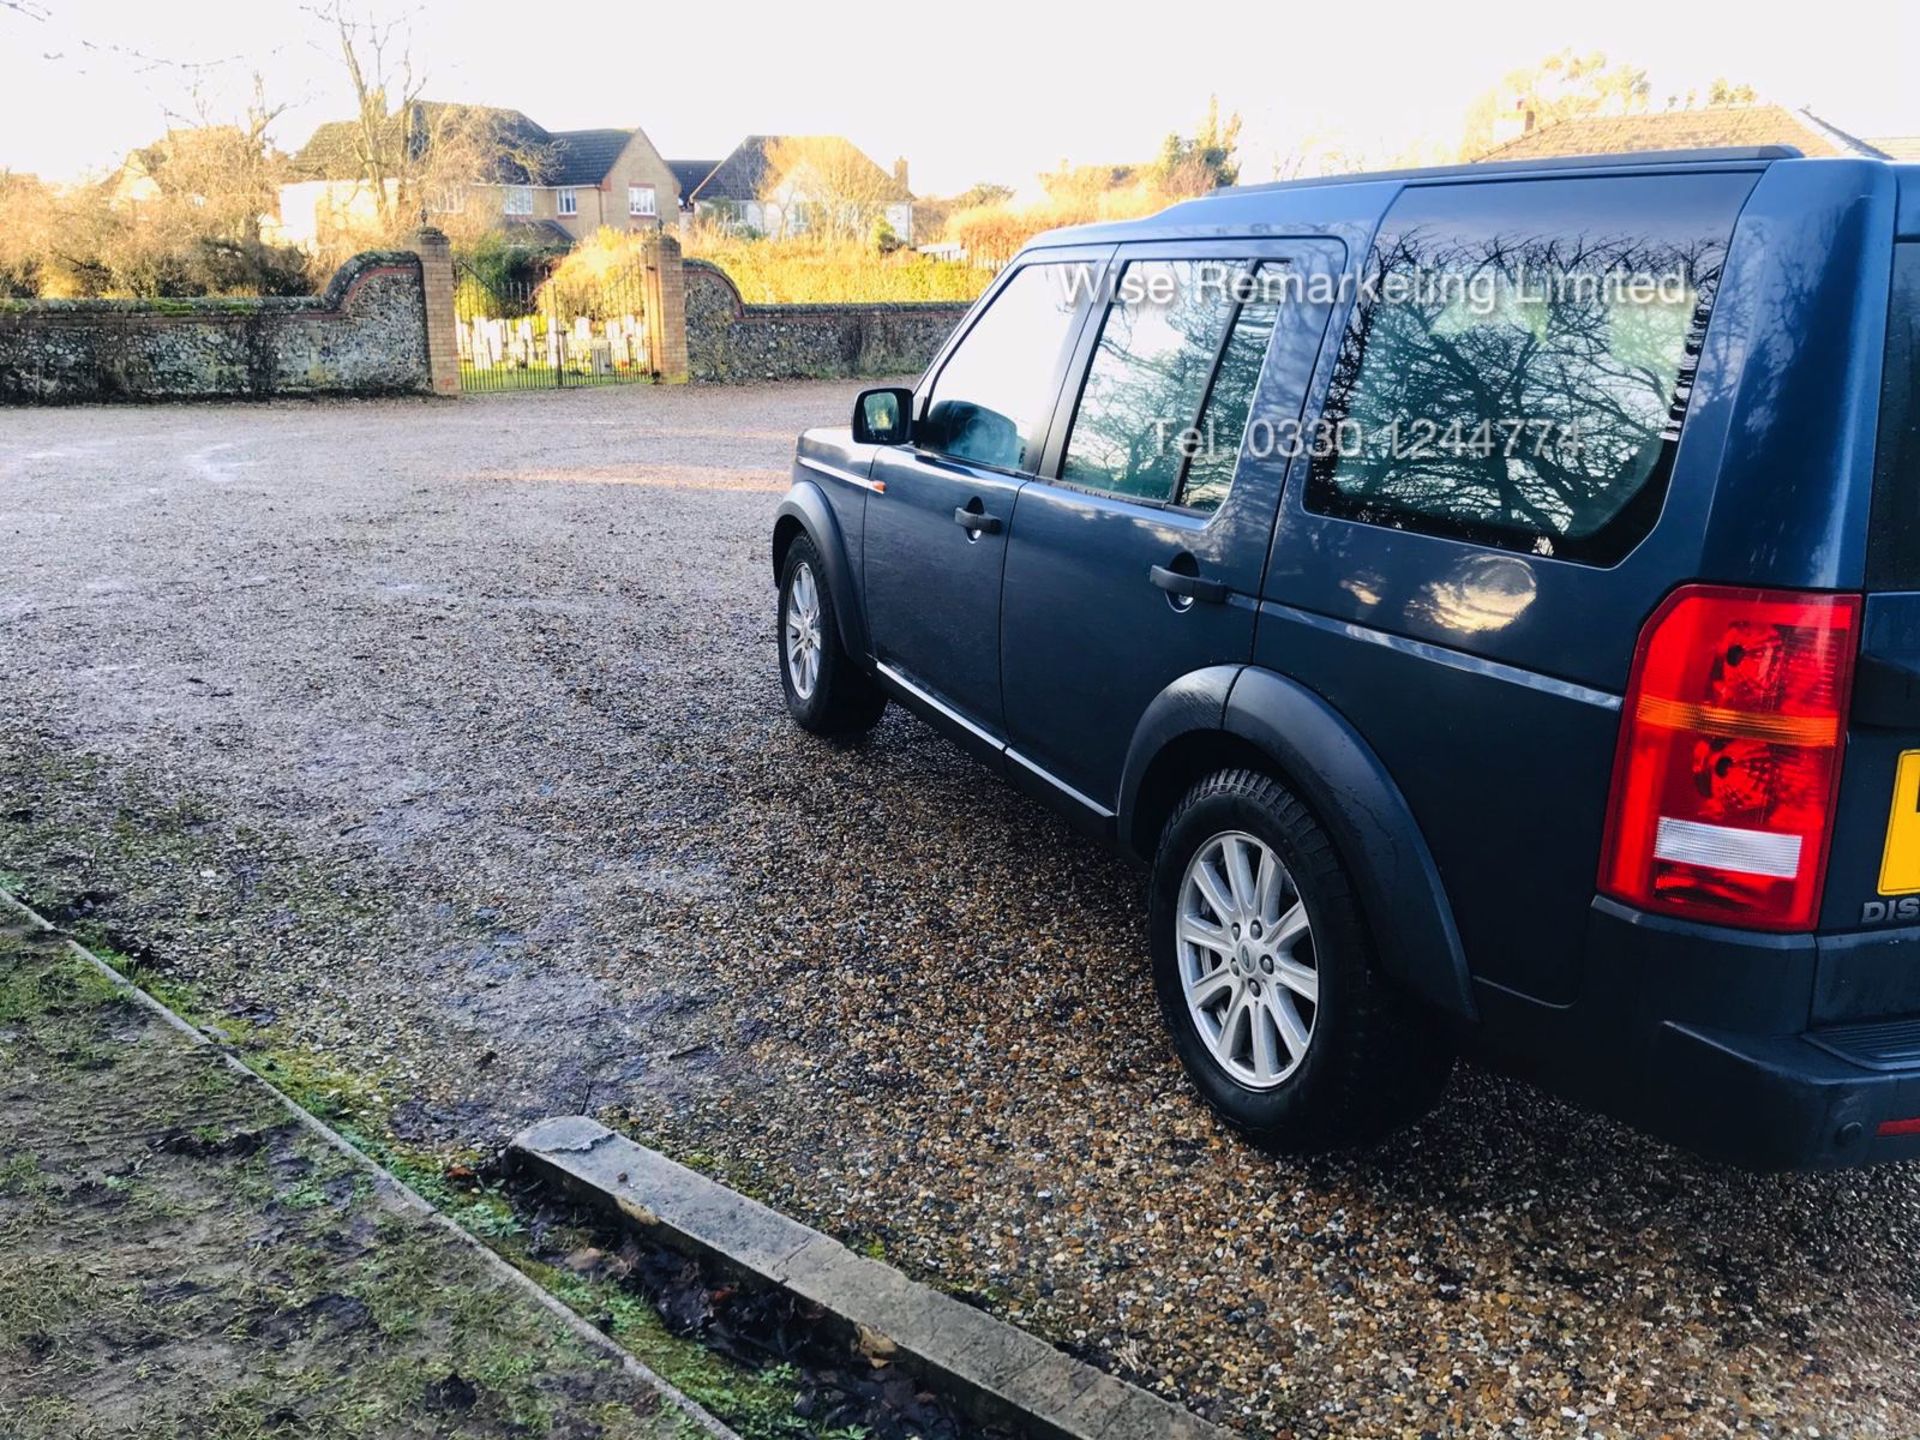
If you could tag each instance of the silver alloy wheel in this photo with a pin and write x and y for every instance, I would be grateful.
(1246, 959)
(803, 630)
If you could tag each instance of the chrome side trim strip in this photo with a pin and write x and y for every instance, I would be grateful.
(1092, 805)
(1440, 654)
(945, 710)
(834, 472)
(948, 713)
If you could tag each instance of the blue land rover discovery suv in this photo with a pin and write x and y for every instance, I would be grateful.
(1488, 598)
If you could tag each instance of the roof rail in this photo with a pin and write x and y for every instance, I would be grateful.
(1635, 159)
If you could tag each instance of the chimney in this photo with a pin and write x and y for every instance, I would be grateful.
(1513, 123)
(900, 173)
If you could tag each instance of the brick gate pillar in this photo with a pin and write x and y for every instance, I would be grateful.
(666, 309)
(436, 277)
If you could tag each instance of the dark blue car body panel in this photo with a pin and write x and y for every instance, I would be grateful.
(1449, 709)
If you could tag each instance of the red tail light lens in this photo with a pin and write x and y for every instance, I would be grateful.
(1729, 758)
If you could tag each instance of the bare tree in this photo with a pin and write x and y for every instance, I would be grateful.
(214, 177)
(378, 58)
(182, 216)
(419, 160)
(28, 211)
(824, 184)
(466, 154)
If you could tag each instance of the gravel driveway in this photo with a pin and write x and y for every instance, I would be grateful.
(443, 742)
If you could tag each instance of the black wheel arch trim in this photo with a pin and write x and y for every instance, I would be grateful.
(806, 506)
(1193, 704)
(1334, 771)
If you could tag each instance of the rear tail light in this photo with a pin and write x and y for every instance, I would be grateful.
(1729, 758)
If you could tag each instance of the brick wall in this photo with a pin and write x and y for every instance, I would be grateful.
(666, 300)
(729, 340)
(367, 335)
(443, 325)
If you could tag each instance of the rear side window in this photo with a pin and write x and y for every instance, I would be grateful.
(1223, 423)
(1519, 360)
(993, 396)
(1166, 400)
(1893, 547)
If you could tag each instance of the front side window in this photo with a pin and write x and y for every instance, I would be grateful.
(1519, 360)
(569, 202)
(991, 400)
(519, 200)
(640, 200)
(1168, 393)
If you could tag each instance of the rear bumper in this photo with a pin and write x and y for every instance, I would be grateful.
(1708, 1037)
(1778, 1102)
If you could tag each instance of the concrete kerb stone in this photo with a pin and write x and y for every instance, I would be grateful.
(1000, 1372)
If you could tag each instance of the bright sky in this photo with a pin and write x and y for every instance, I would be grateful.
(985, 90)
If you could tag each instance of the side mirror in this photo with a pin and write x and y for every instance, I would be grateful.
(883, 417)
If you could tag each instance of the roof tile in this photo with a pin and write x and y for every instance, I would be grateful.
(1716, 126)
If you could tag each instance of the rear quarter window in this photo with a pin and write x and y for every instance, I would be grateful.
(1893, 547)
(1519, 358)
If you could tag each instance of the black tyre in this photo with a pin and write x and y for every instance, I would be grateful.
(1266, 976)
(827, 691)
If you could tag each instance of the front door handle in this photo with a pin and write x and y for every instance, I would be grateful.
(976, 521)
(1190, 587)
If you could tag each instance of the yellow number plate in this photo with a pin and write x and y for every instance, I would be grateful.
(1900, 863)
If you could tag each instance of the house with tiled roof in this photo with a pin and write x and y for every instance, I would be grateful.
(687, 175)
(1710, 128)
(551, 187)
(785, 184)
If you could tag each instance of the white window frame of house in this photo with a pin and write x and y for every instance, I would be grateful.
(569, 202)
(518, 200)
(447, 199)
(642, 202)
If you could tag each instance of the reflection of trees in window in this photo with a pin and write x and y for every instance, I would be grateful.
(1156, 353)
(1460, 341)
(1223, 423)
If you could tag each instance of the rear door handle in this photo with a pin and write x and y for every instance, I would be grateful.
(1193, 587)
(976, 521)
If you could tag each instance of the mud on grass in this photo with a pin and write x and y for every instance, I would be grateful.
(759, 1395)
(179, 1257)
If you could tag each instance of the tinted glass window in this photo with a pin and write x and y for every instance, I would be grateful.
(1223, 423)
(1167, 397)
(1519, 360)
(991, 400)
(1157, 349)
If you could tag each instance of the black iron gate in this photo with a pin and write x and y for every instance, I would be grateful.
(551, 330)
